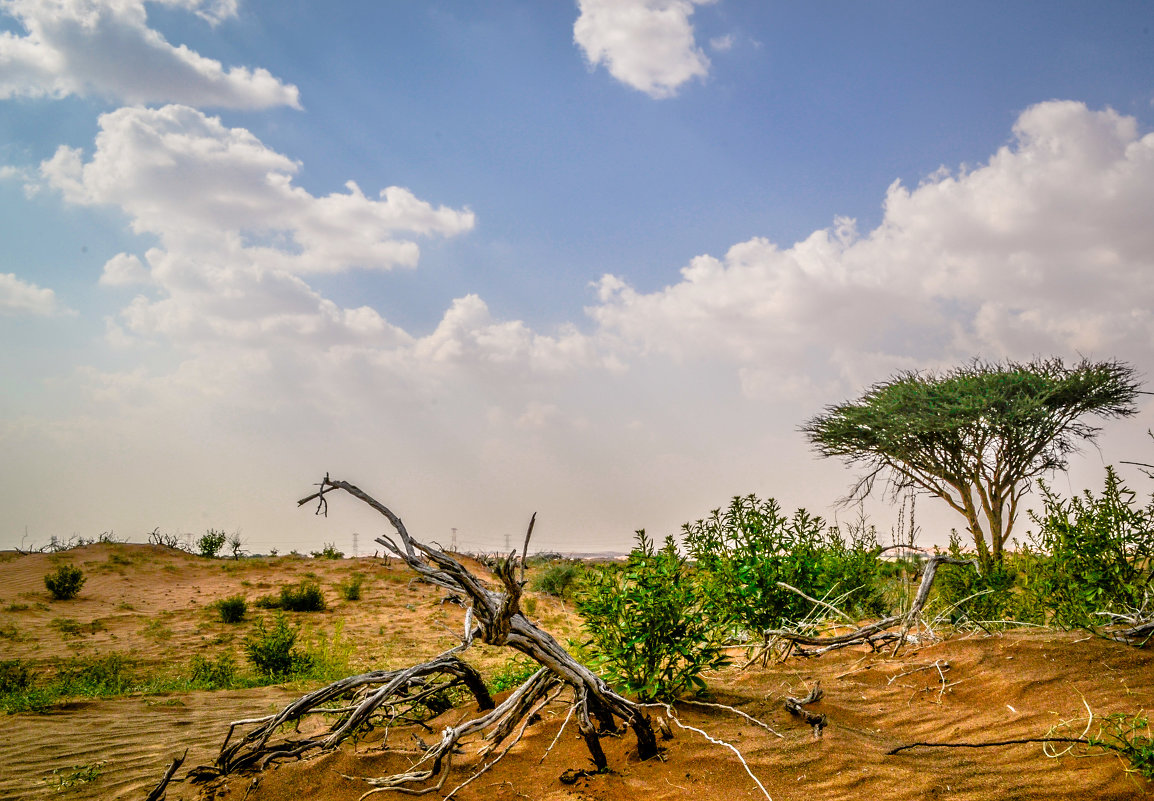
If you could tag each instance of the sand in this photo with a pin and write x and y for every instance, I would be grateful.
(154, 604)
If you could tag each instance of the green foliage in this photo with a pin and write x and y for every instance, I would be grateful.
(975, 436)
(70, 627)
(273, 651)
(1096, 555)
(108, 674)
(64, 582)
(515, 672)
(232, 609)
(306, 596)
(66, 778)
(742, 553)
(647, 624)
(962, 593)
(351, 588)
(557, 579)
(328, 552)
(210, 544)
(15, 676)
(213, 674)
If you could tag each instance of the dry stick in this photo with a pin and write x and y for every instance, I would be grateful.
(525, 548)
(560, 731)
(157, 793)
(1025, 741)
(750, 718)
(744, 764)
(830, 607)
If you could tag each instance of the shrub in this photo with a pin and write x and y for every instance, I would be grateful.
(213, 674)
(1097, 555)
(515, 672)
(109, 674)
(744, 551)
(304, 597)
(557, 579)
(273, 652)
(15, 676)
(232, 609)
(65, 582)
(647, 625)
(210, 544)
(350, 589)
(329, 552)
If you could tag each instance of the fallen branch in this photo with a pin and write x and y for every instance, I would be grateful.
(879, 630)
(492, 616)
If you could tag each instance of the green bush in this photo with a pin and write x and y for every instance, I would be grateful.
(273, 652)
(744, 551)
(306, 596)
(515, 672)
(351, 588)
(64, 582)
(1096, 555)
(109, 674)
(232, 609)
(210, 544)
(15, 676)
(213, 674)
(329, 552)
(557, 579)
(646, 622)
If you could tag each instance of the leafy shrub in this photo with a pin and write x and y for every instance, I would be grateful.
(328, 552)
(232, 609)
(1096, 555)
(963, 594)
(744, 551)
(70, 627)
(213, 674)
(210, 544)
(350, 589)
(557, 579)
(647, 625)
(64, 582)
(15, 676)
(306, 596)
(273, 652)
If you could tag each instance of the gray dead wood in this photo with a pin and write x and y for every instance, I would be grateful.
(880, 630)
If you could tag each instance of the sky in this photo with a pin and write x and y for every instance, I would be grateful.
(598, 260)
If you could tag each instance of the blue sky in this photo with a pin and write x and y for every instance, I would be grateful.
(597, 259)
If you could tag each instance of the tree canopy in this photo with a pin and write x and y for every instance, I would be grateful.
(975, 436)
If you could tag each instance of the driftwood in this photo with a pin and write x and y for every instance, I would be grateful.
(881, 630)
(492, 616)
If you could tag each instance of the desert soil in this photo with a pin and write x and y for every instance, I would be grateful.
(154, 605)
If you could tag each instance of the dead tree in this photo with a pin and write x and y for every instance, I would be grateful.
(493, 617)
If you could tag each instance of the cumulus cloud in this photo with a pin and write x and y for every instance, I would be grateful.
(646, 44)
(19, 297)
(1046, 248)
(105, 48)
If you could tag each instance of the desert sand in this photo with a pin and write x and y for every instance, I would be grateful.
(153, 605)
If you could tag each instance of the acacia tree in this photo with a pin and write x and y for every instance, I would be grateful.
(975, 436)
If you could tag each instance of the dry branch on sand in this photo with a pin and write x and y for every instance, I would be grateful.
(875, 633)
(494, 617)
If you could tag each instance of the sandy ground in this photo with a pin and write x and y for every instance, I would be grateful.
(153, 604)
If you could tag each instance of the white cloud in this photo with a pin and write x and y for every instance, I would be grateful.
(722, 44)
(646, 44)
(219, 193)
(1047, 248)
(105, 48)
(20, 297)
(123, 269)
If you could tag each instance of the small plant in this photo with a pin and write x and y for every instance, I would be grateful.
(109, 674)
(66, 778)
(557, 579)
(232, 609)
(70, 627)
(512, 674)
(213, 674)
(273, 652)
(64, 582)
(15, 676)
(235, 545)
(155, 628)
(647, 623)
(304, 597)
(210, 544)
(328, 552)
(350, 589)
